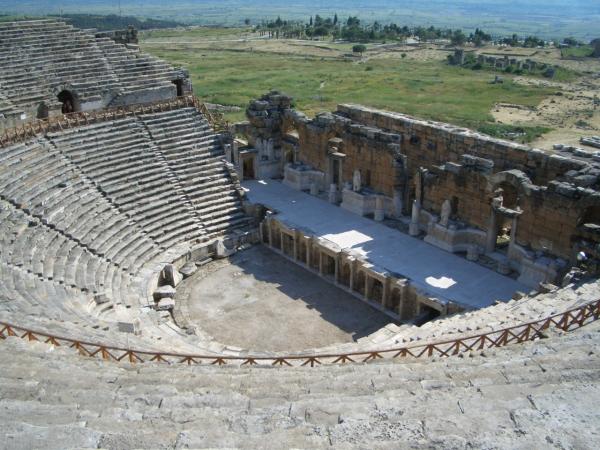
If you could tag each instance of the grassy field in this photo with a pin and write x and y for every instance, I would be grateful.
(583, 51)
(195, 33)
(428, 89)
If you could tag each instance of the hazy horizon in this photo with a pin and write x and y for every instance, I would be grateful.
(547, 18)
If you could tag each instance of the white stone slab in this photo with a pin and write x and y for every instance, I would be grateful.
(436, 272)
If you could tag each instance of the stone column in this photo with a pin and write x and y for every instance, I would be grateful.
(401, 302)
(308, 253)
(270, 235)
(320, 263)
(367, 286)
(385, 297)
(336, 261)
(379, 209)
(490, 243)
(351, 275)
(281, 241)
(296, 235)
(333, 193)
(413, 228)
(398, 203)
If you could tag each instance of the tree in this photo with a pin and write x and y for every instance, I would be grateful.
(335, 19)
(247, 21)
(359, 48)
(458, 38)
(571, 42)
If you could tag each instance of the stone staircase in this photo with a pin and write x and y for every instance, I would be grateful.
(540, 394)
(195, 156)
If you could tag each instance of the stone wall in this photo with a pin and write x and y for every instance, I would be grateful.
(462, 188)
(426, 143)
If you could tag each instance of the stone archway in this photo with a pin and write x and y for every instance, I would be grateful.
(179, 86)
(69, 102)
(505, 188)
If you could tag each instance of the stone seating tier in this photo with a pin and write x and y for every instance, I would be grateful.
(88, 211)
(41, 56)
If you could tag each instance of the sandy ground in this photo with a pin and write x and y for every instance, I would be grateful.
(570, 112)
(262, 301)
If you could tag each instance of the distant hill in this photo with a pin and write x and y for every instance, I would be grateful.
(545, 18)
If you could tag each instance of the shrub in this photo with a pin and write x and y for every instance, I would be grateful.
(359, 48)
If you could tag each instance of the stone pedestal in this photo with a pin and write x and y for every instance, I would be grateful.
(473, 253)
(314, 189)
(301, 176)
(398, 204)
(358, 202)
(503, 267)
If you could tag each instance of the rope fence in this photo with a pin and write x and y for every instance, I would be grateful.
(566, 321)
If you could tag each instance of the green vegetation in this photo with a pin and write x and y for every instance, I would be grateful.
(359, 48)
(583, 51)
(195, 33)
(556, 73)
(430, 90)
(354, 30)
(522, 134)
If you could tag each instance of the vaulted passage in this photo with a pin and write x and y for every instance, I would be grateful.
(68, 102)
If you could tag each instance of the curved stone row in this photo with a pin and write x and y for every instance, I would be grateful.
(503, 398)
(91, 215)
(45, 57)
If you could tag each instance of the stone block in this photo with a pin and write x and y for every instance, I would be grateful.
(164, 292)
(171, 276)
(165, 304)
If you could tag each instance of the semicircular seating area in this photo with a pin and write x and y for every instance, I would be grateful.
(89, 213)
(86, 213)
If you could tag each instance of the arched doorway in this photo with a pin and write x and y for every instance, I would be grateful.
(248, 169)
(69, 104)
(590, 216)
(179, 85)
(504, 223)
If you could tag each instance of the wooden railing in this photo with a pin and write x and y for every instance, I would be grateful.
(566, 321)
(30, 130)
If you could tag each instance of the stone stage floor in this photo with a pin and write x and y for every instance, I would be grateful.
(436, 272)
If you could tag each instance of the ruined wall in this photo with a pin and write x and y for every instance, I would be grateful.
(551, 192)
(369, 150)
(550, 217)
(467, 191)
(426, 143)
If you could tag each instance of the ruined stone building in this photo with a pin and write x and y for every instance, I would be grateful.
(120, 194)
(462, 190)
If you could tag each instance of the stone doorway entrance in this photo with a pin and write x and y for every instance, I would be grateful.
(179, 85)
(248, 171)
(69, 105)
